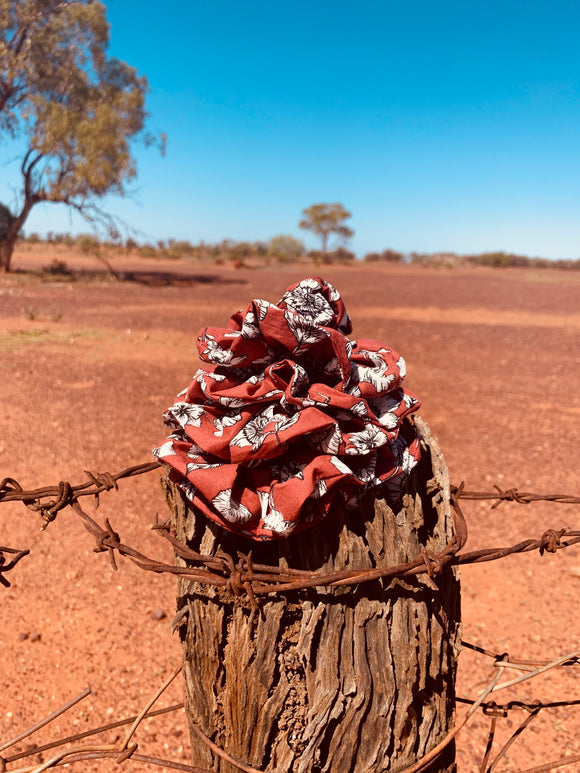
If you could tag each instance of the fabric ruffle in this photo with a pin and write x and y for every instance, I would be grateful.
(287, 414)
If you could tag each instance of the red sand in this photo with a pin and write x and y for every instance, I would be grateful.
(88, 368)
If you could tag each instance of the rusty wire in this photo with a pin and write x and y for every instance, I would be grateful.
(243, 576)
(121, 751)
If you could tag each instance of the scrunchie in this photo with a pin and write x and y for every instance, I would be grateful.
(287, 414)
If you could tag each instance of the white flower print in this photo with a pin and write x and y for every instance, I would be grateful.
(281, 420)
(272, 518)
(366, 440)
(252, 433)
(225, 421)
(194, 451)
(164, 450)
(187, 414)
(327, 440)
(230, 508)
(402, 366)
(384, 407)
(340, 465)
(367, 473)
(266, 359)
(304, 332)
(407, 461)
(250, 326)
(377, 374)
(320, 489)
(257, 378)
(293, 469)
(307, 300)
(231, 402)
(263, 308)
(213, 352)
(188, 489)
(360, 409)
(270, 394)
(202, 377)
(193, 466)
(300, 381)
(333, 292)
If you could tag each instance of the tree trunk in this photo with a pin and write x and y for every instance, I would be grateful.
(340, 680)
(7, 246)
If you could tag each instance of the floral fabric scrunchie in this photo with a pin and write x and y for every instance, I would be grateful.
(287, 414)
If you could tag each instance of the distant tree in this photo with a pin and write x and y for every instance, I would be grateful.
(338, 256)
(88, 244)
(389, 256)
(76, 109)
(325, 220)
(285, 247)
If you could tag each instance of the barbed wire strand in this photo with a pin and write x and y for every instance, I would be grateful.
(120, 752)
(514, 662)
(47, 720)
(97, 483)
(93, 731)
(256, 579)
(244, 575)
(220, 752)
(547, 767)
(533, 713)
(150, 703)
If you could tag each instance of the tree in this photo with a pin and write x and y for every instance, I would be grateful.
(326, 219)
(285, 247)
(6, 221)
(77, 109)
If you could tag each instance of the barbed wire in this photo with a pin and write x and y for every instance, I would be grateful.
(97, 483)
(243, 576)
(125, 748)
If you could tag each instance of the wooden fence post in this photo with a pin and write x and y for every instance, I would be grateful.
(336, 680)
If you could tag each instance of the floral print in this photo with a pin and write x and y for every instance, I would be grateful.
(289, 414)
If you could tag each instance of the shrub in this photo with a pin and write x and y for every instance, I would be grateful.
(88, 244)
(57, 268)
(285, 247)
(341, 255)
(389, 256)
(148, 251)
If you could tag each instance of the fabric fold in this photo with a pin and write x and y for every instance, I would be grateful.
(287, 414)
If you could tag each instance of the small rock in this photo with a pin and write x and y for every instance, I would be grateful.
(159, 614)
(35, 636)
(24, 635)
(575, 571)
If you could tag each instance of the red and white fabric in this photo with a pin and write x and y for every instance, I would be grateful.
(287, 414)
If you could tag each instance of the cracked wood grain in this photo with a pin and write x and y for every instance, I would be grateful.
(328, 680)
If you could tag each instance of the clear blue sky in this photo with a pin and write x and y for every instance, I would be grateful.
(439, 125)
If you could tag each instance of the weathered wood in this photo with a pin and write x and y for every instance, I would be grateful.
(340, 680)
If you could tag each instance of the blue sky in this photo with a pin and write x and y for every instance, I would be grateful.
(440, 126)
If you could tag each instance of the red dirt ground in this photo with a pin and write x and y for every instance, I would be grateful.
(88, 368)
